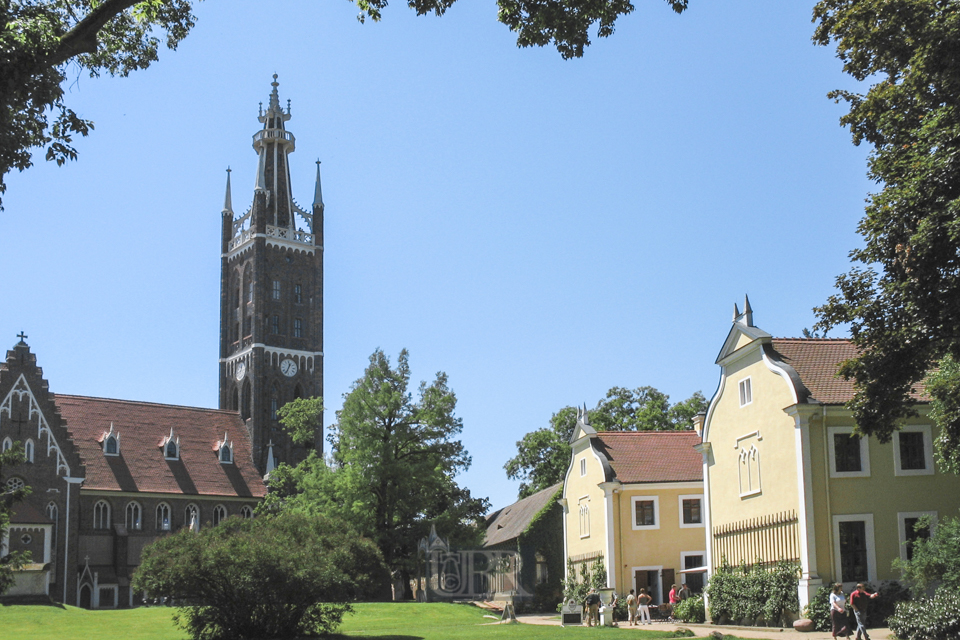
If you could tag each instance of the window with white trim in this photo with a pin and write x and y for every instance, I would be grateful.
(101, 515)
(583, 467)
(913, 526)
(54, 514)
(746, 392)
(849, 453)
(749, 471)
(246, 512)
(854, 548)
(15, 484)
(584, 517)
(163, 517)
(691, 511)
(219, 514)
(913, 451)
(28, 450)
(7, 444)
(134, 516)
(646, 512)
(191, 517)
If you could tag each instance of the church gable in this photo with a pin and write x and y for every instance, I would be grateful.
(29, 416)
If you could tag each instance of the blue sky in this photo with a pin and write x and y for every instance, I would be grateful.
(540, 229)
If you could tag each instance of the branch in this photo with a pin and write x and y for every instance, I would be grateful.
(82, 38)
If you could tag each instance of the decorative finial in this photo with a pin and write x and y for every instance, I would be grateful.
(274, 96)
(317, 191)
(736, 312)
(228, 199)
(261, 110)
(24, 336)
(288, 106)
(747, 311)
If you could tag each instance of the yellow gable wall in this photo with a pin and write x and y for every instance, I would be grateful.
(882, 494)
(655, 547)
(579, 490)
(776, 444)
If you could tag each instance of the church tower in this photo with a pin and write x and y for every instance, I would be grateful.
(271, 297)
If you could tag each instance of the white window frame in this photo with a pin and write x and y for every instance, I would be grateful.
(683, 561)
(867, 518)
(246, 512)
(745, 388)
(864, 454)
(692, 525)
(583, 467)
(754, 453)
(633, 513)
(28, 449)
(902, 527)
(159, 522)
(927, 450)
(584, 508)
(133, 504)
(220, 514)
(186, 515)
(101, 515)
(7, 444)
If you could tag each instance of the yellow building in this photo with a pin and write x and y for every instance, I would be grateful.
(786, 480)
(636, 500)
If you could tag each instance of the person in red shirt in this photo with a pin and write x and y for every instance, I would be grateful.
(859, 601)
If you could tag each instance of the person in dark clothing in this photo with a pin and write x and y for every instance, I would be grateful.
(859, 602)
(592, 605)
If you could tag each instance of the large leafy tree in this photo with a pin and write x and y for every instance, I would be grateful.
(278, 576)
(901, 299)
(40, 38)
(9, 497)
(392, 468)
(544, 455)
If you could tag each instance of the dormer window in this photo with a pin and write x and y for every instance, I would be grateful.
(111, 442)
(225, 450)
(170, 446)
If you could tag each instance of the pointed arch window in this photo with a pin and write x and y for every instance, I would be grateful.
(101, 515)
(246, 512)
(225, 450)
(749, 471)
(191, 516)
(28, 450)
(171, 446)
(163, 517)
(219, 514)
(274, 402)
(54, 514)
(134, 520)
(111, 442)
(7, 444)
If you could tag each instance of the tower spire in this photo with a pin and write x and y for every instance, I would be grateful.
(317, 190)
(273, 144)
(227, 199)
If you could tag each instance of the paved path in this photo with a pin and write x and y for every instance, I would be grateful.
(702, 630)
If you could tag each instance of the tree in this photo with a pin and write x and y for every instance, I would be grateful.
(41, 37)
(279, 576)
(901, 299)
(934, 557)
(544, 455)
(9, 497)
(392, 468)
(302, 419)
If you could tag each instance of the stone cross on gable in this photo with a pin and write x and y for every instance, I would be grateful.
(22, 336)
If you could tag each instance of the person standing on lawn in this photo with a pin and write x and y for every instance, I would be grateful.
(592, 605)
(632, 608)
(860, 601)
(643, 600)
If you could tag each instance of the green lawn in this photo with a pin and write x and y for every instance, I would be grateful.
(380, 621)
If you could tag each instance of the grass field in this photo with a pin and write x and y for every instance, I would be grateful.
(380, 621)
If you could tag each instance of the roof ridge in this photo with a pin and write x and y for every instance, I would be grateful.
(816, 339)
(57, 396)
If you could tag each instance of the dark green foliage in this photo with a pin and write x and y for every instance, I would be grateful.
(943, 385)
(936, 560)
(690, 610)
(302, 419)
(936, 618)
(9, 497)
(278, 576)
(891, 595)
(393, 466)
(901, 299)
(819, 609)
(753, 593)
(543, 455)
(544, 535)
(576, 587)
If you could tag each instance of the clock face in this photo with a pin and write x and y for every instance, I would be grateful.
(288, 367)
(241, 370)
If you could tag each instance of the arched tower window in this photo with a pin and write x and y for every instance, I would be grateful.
(235, 400)
(28, 450)
(297, 392)
(134, 520)
(245, 400)
(274, 401)
(101, 515)
(7, 443)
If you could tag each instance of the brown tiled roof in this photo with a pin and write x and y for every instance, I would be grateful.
(816, 362)
(26, 513)
(652, 456)
(141, 465)
(508, 523)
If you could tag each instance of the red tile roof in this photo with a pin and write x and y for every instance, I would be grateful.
(816, 361)
(141, 465)
(652, 456)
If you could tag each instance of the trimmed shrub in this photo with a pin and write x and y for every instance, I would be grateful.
(819, 609)
(936, 618)
(753, 593)
(690, 610)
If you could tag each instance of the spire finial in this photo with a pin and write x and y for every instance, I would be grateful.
(288, 106)
(747, 311)
(317, 191)
(736, 312)
(274, 96)
(227, 199)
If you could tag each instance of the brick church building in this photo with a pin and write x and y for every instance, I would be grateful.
(108, 477)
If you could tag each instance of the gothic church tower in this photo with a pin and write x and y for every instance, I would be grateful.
(271, 297)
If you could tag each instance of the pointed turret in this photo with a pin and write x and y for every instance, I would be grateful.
(747, 311)
(318, 191)
(273, 144)
(736, 312)
(228, 199)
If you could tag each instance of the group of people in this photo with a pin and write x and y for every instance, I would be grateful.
(859, 600)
